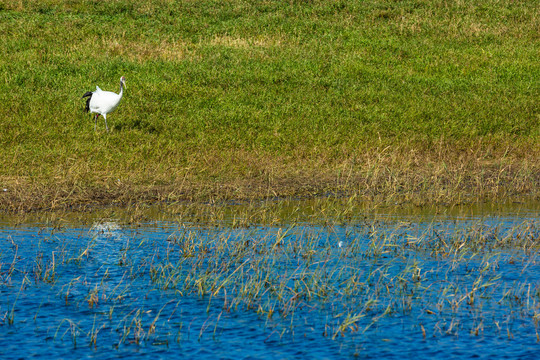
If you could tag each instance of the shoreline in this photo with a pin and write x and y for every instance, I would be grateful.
(422, 186)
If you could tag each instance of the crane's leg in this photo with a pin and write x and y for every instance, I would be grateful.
(105, 117)
(95, 125)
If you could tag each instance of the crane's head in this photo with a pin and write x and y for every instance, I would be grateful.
(123, 81)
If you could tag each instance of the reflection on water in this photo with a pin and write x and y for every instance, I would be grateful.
(107, 228)
(108, 241)
(381, 286)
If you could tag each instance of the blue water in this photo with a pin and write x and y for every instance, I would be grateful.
(163, 289)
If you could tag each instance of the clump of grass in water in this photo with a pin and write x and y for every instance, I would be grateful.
(260, 287)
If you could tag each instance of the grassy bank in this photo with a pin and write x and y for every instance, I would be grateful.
(422, 101)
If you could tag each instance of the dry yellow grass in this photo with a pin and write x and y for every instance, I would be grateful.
(397, 175)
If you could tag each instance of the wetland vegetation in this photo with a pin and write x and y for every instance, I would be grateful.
(307, 162)
(281, 279)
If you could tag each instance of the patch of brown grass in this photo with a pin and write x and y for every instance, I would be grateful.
(440, 175)
(245, 43)
(139, 51)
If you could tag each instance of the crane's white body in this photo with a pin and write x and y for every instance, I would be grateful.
(104, 102)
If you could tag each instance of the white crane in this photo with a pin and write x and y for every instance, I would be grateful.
(103, 102)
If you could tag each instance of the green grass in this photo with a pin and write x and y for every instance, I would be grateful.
(266, 93)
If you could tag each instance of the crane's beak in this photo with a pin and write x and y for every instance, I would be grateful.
(125, 86)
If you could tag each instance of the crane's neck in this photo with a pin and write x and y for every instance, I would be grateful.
(121, 89)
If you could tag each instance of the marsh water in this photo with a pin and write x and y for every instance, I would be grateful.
(272, 281)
